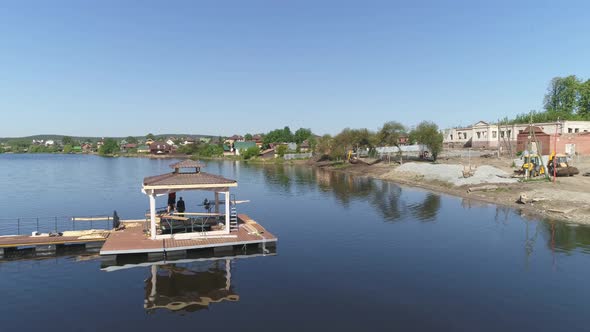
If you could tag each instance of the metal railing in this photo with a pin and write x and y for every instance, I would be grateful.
(57, 224)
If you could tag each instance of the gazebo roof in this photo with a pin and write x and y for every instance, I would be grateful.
(187, 181)
(187, 164)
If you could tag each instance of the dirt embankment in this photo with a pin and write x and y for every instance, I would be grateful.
(568, 199)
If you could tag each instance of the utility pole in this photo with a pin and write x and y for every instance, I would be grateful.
(555, 151)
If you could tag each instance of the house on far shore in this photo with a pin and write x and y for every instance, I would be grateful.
(49, 143)
(77, 149)
(227, 151)
(258, 139)
(267, 154)
(128, 147)
(143, 149)
(242, 146)
(188, 141)
(234, 139)
(403, 140)
(304, 146)
(86, 147)
(159, 148)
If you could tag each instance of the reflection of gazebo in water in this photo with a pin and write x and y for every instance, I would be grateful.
(187, 175)
(189, 288)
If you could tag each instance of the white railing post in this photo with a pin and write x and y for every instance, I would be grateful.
(227, 203)
(153, 215)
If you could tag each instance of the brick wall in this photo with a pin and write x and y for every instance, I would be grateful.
(581, 141)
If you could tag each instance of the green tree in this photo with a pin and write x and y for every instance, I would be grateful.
(150, 136)
(278, 136)
(324, 145)
(67, 148)
(131, 140)
(427, 133)
(248, 137)
(209, 150)
(390, 133)
(110, 147)
(67, 140)
(584, 102)
(301, 135)
(562, 95)
(281, 150)
(250, 152)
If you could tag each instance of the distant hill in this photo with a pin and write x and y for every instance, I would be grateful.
(91, 138)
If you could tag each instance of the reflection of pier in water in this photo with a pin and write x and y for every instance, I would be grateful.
(189, 287)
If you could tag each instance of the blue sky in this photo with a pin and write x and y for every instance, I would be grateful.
(114, 68)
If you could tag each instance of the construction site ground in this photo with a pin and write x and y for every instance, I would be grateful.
(568, 199)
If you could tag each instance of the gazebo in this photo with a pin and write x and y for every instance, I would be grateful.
(187, 175)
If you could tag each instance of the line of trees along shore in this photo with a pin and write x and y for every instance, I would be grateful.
(567, 98)
(392, 133)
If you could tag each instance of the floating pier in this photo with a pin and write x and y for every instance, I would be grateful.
(133, 240)
(166, 233)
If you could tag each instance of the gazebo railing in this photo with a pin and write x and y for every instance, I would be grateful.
(196, 222)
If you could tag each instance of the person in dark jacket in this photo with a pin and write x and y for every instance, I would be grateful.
(171, 201)
(180, 207)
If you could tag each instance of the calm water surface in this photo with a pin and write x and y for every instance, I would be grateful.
(353, 254)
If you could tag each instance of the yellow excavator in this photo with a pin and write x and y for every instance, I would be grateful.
(533, 166)
(562, 167)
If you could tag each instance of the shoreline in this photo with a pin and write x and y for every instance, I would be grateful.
(563, 210)
(566, 201)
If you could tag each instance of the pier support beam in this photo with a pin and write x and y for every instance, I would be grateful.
(1, 253)
(45, 248)
(156, 256)
(223, 250)
(176, 254)
(108, 260)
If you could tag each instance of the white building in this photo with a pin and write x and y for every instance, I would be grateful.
(491, 136)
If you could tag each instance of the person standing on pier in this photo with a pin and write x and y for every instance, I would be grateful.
(171, 201)
(180, 207)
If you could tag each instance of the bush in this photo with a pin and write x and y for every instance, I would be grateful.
(281, 150)
(110, 147)
(250, 152)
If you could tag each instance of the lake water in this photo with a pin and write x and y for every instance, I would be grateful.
(354, 254)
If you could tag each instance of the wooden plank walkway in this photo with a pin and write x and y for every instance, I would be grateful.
(27, 241)
(132, 240)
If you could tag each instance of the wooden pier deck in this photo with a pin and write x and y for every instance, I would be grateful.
(132, 240)
(52, 243)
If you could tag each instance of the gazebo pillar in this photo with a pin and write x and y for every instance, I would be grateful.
(153, 215)
(216, 202)
(227, 203)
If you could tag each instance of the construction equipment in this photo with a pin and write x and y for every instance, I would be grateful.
(562, 167)
(533, 165)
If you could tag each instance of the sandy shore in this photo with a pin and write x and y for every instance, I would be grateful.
(566, 200)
